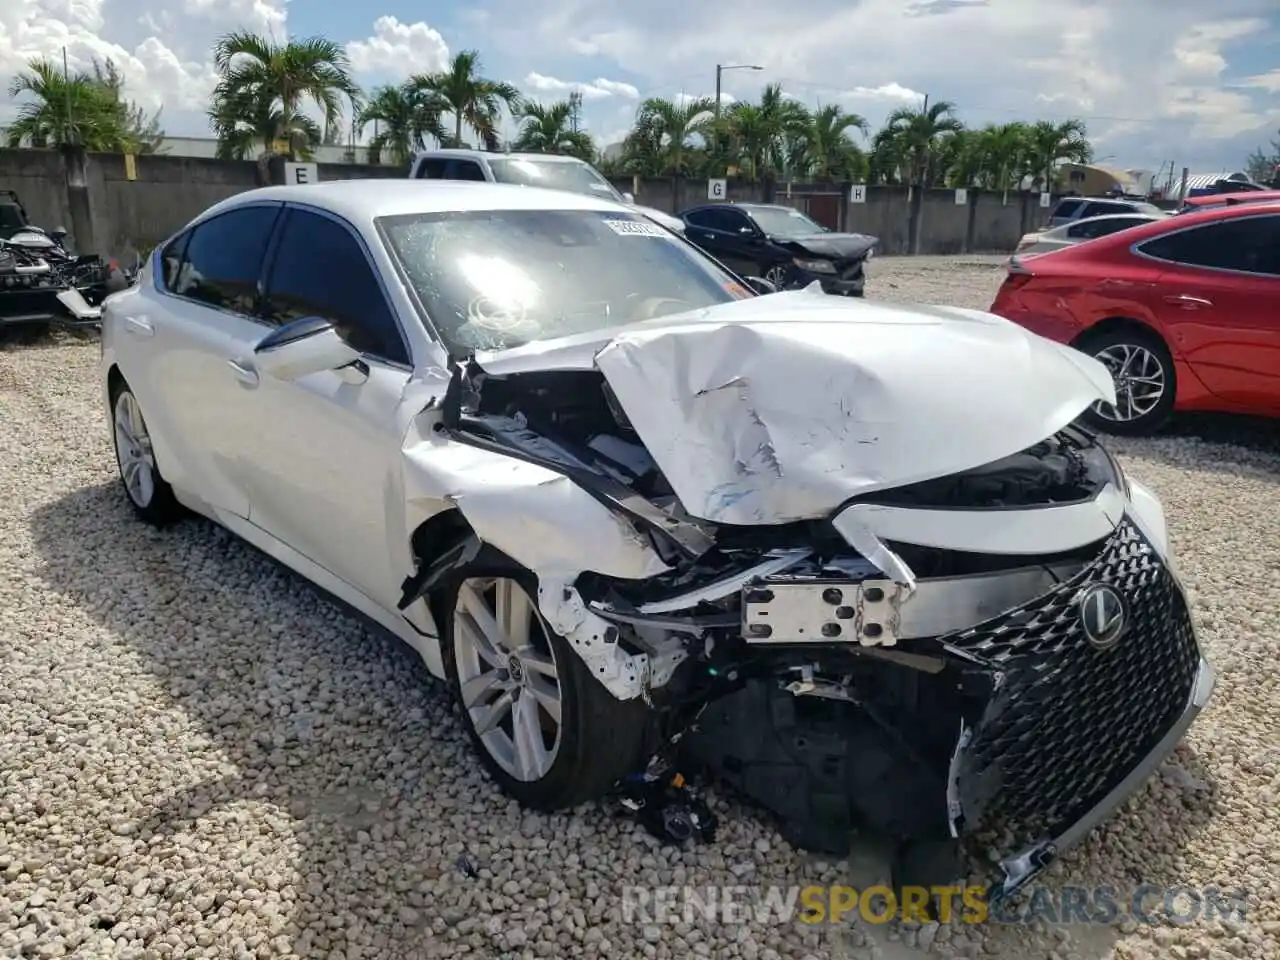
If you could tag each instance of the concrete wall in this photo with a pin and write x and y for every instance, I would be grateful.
(169, 191)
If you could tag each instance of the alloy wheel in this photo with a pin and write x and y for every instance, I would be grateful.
(133, 451)
(507, 675)
(1140, 382)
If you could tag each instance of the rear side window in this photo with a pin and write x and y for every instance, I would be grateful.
(1103, 228)
(1097, 209)
(1066, 208)
(466, 170)
(223, 259)
(321, 270)
(1086, 230)
(728, 220)
(1249, 244)
(431, 169)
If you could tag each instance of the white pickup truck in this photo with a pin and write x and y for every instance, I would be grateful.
(552, 171)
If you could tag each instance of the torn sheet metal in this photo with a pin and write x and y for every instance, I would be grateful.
(546, 523)
(538, 517)
(781, 408)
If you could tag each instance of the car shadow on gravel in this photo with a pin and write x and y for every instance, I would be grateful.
(377, 833)
(384, 833)
(1220, 443)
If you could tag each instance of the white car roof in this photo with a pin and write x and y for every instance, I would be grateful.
(470, 154)
(361, 201)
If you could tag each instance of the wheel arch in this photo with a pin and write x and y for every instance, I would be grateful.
(115, 381)
(1119, 323)
(437, 545)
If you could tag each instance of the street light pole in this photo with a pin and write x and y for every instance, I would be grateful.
(720, 69)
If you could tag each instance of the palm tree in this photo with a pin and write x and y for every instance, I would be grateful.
(913, 134)
(763, 136)
(474, 100)
(661, 136)
(960, 160)
(548, 129)
(1004, 149)
(403, 117)
(251, 126)
(263, 85)
(1049, 143)
(825, 151)
(76, 108)
(917, 131)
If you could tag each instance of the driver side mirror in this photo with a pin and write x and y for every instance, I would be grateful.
(303, 346)
(629, 197)
(760, 285)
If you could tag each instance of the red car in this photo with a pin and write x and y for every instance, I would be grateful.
(1210, 200)
(1185, 311)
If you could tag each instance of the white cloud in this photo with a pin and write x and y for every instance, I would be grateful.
(1185, 87)
(399, 49)
(1159, 79)
(170, 72)
(894, 93)
(1269, 81)
(598, 89)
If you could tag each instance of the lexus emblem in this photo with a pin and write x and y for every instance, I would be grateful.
(1103, 616)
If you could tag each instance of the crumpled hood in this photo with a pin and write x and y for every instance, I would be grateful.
(837, 246)
(780, 408)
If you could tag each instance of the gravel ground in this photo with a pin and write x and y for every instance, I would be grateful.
(200, 756)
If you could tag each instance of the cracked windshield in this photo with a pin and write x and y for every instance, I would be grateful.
(496, 279)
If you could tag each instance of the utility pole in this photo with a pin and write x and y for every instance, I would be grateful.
(575, 108)
(720, 69)
(66, 86)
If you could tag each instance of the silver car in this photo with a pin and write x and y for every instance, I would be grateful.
(1069, 234)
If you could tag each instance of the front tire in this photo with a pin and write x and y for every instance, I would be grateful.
(150, 496)
(549, 733)
(1145, 381)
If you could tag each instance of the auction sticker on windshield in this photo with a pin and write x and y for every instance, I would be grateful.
(636, 228)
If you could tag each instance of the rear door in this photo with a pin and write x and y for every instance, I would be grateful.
(732, 238)
(202, 325)
(1220, 300)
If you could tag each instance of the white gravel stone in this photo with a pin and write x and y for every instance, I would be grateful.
(200, 757)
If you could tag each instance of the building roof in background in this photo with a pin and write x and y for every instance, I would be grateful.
(1202, 183)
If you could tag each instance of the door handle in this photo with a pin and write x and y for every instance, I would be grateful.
(1188, 302)
(139, 326)
(244, 373)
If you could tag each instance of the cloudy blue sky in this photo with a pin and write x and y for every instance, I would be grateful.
(1194, 83)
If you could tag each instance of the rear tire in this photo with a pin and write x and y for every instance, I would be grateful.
(529, 678)
(150, 496)
(1146, 384)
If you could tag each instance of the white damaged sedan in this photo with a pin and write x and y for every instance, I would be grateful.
(857, 559)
